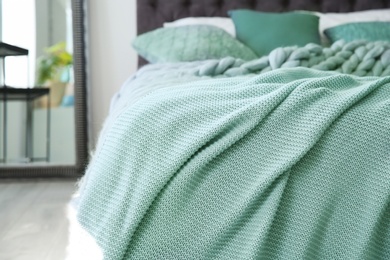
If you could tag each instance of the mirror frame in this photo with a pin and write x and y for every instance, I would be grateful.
(79, 8)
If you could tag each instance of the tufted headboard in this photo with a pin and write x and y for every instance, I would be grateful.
(151, 14)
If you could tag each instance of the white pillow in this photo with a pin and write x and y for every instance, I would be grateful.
(225, 23)
(328, 20)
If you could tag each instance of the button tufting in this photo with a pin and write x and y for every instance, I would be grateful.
(219, 3)
(186, 3)
(152, 4)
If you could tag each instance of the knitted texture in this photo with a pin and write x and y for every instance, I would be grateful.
(361, 58)
(190, 43)
(290, 164)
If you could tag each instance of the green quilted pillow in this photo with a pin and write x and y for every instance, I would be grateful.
(264, 31)
(190, 43)
(371, 31)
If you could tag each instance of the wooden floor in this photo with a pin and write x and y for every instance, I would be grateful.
(33, 223)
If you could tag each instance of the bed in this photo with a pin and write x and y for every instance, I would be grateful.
(240, 142)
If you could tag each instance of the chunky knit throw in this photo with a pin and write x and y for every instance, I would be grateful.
(290, 164)
(359, 57)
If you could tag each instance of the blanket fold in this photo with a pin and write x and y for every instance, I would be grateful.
(290, 164)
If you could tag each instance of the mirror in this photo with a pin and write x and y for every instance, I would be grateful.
(42, 92)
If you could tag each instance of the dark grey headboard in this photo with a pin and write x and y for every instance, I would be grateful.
(151, 14)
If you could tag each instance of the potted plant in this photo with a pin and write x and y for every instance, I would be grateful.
(54, 70)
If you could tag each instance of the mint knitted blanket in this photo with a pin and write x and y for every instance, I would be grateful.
(289, 164)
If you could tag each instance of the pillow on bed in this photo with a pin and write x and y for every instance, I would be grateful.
(328, 20)
(190, 43)
(263, 31)
(225, 23)
(371, 31)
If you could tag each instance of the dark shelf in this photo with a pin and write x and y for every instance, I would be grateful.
(11, 50)
(22, 93)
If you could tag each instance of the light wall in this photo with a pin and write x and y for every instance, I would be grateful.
(111, 29)
(50, 24)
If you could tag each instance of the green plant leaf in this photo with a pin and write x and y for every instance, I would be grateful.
(53, 63)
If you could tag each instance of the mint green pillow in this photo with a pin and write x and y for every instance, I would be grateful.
(263, 31)
(371, 31)
(190, 43)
